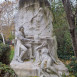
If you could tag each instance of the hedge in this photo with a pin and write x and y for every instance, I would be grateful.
(4, 53)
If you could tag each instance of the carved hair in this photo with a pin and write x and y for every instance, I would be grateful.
(21, 28)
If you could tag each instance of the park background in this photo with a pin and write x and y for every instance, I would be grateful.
(8, 9)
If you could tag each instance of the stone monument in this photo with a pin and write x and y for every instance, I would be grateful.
(35, 44)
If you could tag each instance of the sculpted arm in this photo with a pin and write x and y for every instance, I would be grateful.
(39, 47)
(20, 37)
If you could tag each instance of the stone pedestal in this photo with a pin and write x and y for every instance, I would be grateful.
(25, 69)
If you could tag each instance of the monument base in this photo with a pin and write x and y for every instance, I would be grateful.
(25, 69)
(32, 69)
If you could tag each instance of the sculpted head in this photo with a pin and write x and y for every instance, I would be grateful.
(44, 43)
(21, 29)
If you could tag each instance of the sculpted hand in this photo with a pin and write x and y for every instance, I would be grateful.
(37, 48)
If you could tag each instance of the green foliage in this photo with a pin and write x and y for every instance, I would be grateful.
(11, 55)
(11, 37)
(4, 70)
(72, 67)
(61, 30)
(1, 39)
(64, 75)
(4, 53)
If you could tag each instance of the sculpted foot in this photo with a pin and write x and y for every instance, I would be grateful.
(31, 57)
(19, 60)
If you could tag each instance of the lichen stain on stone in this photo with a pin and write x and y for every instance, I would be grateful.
(30, 7)
(41, 2)
(23, 2)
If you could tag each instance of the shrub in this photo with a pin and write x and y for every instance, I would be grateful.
(6, 71)
(72, 67)
(1, 39)
(60, 24)
(4, 53)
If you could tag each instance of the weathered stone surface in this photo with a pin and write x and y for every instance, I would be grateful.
(36, 46)
(25, 69)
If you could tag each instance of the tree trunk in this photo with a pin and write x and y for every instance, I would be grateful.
(3, 38)
(72, 26)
